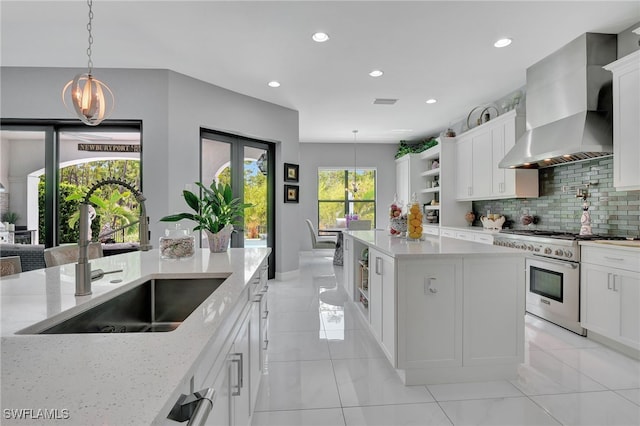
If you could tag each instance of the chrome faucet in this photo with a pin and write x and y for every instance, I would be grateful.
(83, 267)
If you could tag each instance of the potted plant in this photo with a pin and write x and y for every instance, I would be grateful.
(216, 212)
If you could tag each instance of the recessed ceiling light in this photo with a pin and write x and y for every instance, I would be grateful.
(567, 156)
(431, 101)
(376, 73)
(320, 37)
(547, 160)
(527, 164)
(503, 42)
(274, 84)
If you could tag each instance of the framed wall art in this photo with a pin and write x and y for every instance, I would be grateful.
(291, 172)
(291, 193)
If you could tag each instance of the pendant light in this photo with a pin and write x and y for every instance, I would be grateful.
(92, 99)
(354, 186)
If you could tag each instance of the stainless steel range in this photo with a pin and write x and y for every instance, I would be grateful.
(552, 273)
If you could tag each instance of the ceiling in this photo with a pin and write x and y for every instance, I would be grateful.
(427, 49)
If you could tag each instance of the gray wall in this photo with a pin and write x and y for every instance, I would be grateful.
(173, 108)
(628, 41)
(315, 155)
(612, 212)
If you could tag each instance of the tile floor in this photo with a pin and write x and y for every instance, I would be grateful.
(324, 368)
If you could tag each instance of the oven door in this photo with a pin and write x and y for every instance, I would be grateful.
(553, 291)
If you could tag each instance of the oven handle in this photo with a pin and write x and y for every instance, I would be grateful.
(569, 265)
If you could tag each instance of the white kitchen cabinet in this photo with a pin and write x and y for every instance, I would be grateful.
(431, 174)
(429, 313)
(479, 235)
(478, 153)
(408, 181)
(349, 263)
(382, 316)
(610, 296)
(220, 415)
(464, 168)
(233, 365)
(239, 380)
(626, 125)
(490, 334)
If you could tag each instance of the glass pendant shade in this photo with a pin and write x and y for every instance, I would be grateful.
(92, 100)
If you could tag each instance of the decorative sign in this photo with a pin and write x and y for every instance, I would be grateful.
(108, 147)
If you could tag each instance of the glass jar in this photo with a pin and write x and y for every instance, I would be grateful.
(397, 221)
(177, 243)
(414, 220)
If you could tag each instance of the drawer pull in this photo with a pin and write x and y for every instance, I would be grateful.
(619, 259)
(428, 282)
(240, 373)
(195, 407)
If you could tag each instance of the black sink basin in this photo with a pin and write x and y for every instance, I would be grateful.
(157, 305)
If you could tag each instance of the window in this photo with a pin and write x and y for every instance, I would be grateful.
(337, 198)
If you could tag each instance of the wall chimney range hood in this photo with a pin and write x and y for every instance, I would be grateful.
(569, 106)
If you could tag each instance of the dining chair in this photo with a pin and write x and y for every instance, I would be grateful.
(318, 242)
(10, 265)
(68, 253)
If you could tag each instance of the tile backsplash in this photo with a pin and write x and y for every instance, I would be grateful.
(612, 212)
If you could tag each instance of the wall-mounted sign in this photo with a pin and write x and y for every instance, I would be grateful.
(108, 147)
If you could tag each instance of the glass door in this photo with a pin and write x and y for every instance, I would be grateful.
(23, 173)
(247, 165)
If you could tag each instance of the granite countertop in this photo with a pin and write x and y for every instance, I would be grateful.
(110, 379)
(431, 246)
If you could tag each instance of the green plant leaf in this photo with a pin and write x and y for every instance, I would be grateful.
(192, 200)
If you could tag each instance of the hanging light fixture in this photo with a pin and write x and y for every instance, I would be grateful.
(92, 99)
(354, 185)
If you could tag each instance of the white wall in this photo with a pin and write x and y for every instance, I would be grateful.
(172, 108)
(315, 155)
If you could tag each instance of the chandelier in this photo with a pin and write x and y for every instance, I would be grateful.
(92, 99)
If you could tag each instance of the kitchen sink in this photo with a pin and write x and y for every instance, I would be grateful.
(157, 305)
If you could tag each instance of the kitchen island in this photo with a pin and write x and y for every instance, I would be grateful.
(126, 378)
(443, 310)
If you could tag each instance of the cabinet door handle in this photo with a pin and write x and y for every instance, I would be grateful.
(240, 373)
(258, 298)
(266, 344)
(619, 259)
(266, 314)
(469, 190)
(614, 282)
(428, 282)
(379, 265)
(346, 244)
(609, 281)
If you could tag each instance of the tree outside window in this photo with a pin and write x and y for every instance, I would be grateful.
(341, 193)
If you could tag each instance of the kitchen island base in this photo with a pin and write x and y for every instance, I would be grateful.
(442, 310)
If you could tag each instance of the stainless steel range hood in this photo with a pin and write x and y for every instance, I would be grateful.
(569, 106)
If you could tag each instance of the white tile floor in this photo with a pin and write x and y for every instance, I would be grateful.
(325, 369)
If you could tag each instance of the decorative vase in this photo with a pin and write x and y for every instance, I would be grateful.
(219, 242)
(470, 217)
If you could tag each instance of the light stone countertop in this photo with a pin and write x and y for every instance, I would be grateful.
(476, 229)
(109, 379)
(627, 245)
(431, 246)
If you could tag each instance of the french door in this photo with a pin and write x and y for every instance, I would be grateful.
(247, 165)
